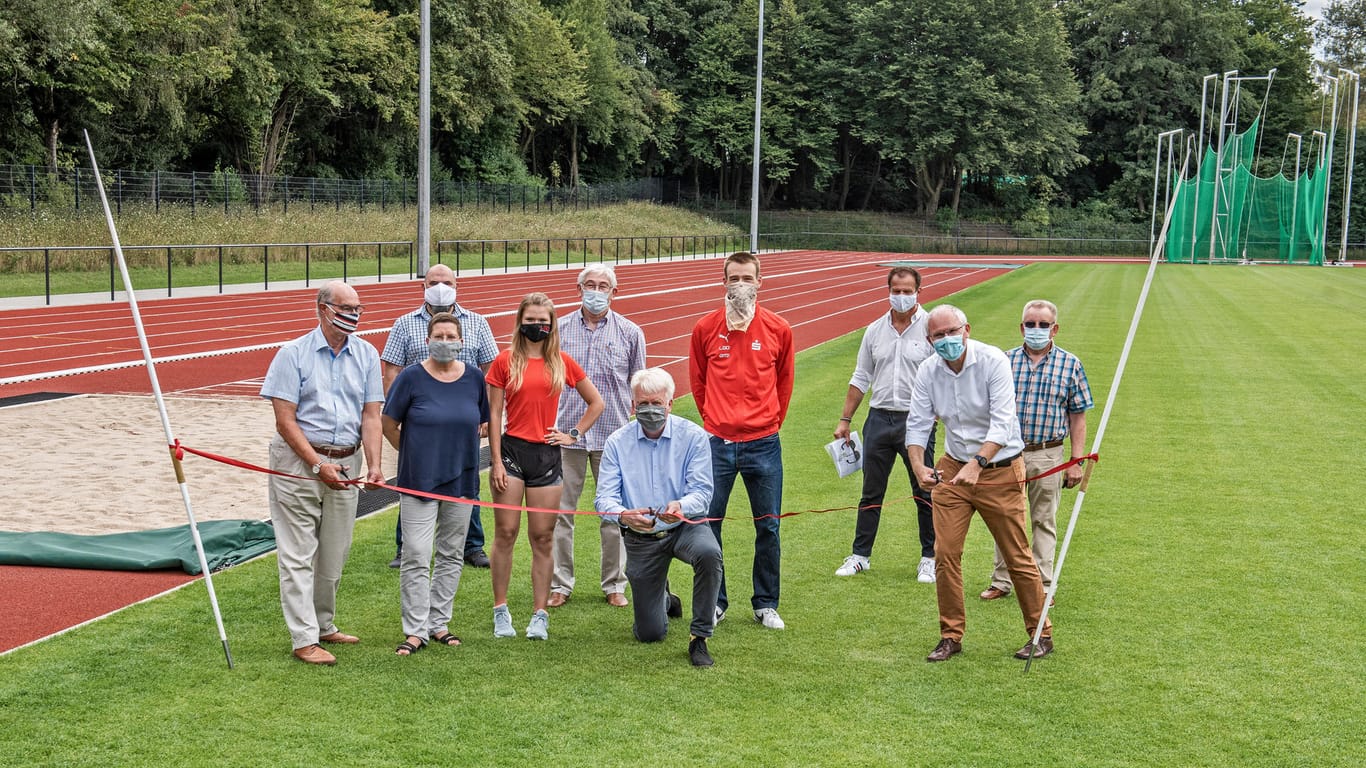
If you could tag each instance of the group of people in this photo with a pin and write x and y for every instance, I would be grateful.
(559, 401)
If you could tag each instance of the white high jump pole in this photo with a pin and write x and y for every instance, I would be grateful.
(1105, 419)
(161, 402)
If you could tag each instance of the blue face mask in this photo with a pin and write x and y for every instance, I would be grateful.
(950, 347)
(596, 302)
(1037, 338)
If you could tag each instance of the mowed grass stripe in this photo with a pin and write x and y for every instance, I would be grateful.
(1208, 611)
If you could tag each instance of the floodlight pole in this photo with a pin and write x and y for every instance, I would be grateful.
(758, 119)
(1104, 420)
(1351, 161)
(424, 140)
(161, 402)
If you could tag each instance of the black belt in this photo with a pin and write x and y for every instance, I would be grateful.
(1043, 446)
(652, 535)
(334, 453)
(993, 464)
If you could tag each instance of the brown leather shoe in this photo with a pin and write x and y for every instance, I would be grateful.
(618, 600)
(944, 650)
(556, 600)
(314, 654)
(1045, 647)
(992, 593)
(340, 637)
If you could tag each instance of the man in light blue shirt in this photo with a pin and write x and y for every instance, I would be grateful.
(326, 391)
(656, 482)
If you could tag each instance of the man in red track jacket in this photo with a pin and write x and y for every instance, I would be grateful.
(741, 366)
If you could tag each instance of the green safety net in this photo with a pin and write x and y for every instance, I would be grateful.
(226, 542)
(1275, 219)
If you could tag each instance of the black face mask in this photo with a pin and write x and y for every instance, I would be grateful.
(535, 331)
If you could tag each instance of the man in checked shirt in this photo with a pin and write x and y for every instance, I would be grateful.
(611, 349)
(1051, 398)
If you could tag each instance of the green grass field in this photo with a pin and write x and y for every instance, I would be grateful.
(1205, 615)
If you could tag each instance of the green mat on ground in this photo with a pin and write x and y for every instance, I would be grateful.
(226, 543)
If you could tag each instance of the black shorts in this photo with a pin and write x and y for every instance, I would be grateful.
(535, 464)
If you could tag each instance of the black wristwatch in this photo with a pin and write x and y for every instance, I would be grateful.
(574, 433)
(981, 460)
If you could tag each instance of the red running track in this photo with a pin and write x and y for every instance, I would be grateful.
(222, 345)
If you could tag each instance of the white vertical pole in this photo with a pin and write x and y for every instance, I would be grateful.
(424, 141)
(1328, 162)
(758, 118)
(1351, 161)
(1295, 201)
(161, 403)
(1219, 166)
(1199, 162)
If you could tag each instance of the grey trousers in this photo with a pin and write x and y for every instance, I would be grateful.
(313, 525)
(647, 567)
(427, 588)
(575, 464)
(1044, 495)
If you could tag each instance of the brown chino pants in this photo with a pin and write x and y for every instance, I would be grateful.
(999, 497)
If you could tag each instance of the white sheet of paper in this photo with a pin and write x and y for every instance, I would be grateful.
(847, 455)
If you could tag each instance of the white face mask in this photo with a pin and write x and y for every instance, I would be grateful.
(440, 298)
(903, 302)
(740, 298)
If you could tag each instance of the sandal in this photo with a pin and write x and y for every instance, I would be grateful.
(446, 639)
(406, 648)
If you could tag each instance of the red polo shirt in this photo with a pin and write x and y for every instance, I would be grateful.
(742, 380)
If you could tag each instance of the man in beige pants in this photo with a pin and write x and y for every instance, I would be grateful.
(326, 390)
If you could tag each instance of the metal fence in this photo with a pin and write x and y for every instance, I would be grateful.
(29, 187)
(548, 253)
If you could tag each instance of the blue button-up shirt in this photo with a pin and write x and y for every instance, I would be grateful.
(329, 389)
(609, 354)
(407, 344)
(639, 472)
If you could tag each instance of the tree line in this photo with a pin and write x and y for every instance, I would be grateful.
(915, 105)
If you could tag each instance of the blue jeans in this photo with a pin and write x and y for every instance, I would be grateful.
(760, 464)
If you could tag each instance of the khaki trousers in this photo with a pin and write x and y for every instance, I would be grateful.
(313, 525)
(574, 463)
(1043, 516)
(1001, 503)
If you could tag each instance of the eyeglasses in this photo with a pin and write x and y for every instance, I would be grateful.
(350, 309)
(946, 332)
(1037, 324)
(602, 287)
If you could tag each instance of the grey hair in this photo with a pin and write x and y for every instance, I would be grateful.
(946, 309)
(599, 269)
(1040, 304)
(653, 381)
(325, 293)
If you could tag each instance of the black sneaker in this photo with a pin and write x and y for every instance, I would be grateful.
(675, 609)
(398, 559)
(477, 558)
(697, 652)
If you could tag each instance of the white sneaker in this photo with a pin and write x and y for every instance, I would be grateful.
(925, 574)
(769, 618)
(720, 614)
(536, 630)
(502, 622)
(853, 564)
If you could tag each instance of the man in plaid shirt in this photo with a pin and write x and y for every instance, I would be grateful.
(1051, 398)
(610, 349)
(407, 345)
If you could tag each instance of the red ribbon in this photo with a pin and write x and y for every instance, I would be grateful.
(180, 450)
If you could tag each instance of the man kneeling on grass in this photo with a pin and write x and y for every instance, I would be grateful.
(656, 473)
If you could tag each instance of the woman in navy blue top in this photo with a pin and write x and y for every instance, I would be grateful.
(433, 416)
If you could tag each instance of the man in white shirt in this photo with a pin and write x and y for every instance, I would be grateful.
(971, 389)
(893, 348)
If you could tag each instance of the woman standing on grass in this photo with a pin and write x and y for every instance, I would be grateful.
(432, 416)
(524, 395)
